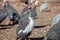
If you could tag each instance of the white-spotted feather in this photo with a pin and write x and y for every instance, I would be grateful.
(30, 26)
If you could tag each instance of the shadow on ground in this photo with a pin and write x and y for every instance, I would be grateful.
(8, 26)
(42, 26)
(40, 38)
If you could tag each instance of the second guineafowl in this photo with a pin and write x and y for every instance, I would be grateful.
(12, 13)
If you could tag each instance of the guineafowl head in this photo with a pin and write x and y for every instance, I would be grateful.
(5, 3)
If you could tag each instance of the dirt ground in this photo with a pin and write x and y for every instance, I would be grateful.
(43, 23)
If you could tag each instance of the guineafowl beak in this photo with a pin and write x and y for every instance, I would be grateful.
(5, 3)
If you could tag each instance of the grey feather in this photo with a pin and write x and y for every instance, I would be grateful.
(24, 21)
(12, 13)
(54, 32)
(33, 12)
(3, 15)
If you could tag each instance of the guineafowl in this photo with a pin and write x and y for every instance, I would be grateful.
(44, 6)
(26, 25)
(54, 32)
(12, 13)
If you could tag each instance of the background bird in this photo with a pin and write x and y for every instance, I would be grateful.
(54, 32)
(44, 6)
(26, 25)
(12, 13)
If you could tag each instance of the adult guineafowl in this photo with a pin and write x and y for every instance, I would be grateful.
(26, 25)
(12, 13)
(44, 6)
(54, 32)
